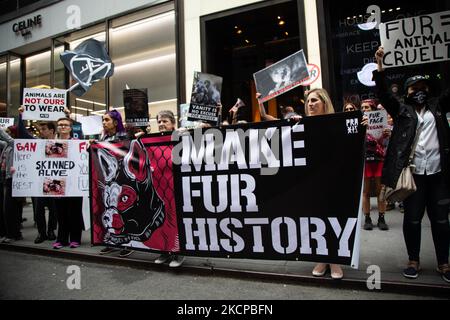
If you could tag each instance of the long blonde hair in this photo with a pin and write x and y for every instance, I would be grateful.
(324, 97)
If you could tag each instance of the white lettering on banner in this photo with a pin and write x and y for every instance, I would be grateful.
(211, 152)
(297, 233)
(416, 40)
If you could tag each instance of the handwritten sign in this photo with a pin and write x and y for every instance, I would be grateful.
(416, 40)
(377, 123)
(50, 168)
(44, 104)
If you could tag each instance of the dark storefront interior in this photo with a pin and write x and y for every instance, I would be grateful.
(236, 45)
(351, 44)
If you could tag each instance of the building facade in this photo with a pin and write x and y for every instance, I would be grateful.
(159, 44)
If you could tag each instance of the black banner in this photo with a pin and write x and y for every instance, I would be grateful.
(289, 192)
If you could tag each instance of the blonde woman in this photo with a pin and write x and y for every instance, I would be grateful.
(318, 103)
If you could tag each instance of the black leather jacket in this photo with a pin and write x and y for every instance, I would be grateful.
(405, 125)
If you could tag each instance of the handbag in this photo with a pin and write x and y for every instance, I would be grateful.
(405, 183)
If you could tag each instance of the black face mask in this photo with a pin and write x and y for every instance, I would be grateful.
(419, 98)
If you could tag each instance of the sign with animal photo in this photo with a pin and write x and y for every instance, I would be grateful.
(136, 107)
(416, 40)
(282, 76)
(50, 168)
(43, 104)
(132, 194)
(205, 98)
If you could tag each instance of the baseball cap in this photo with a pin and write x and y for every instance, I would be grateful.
(412, 80)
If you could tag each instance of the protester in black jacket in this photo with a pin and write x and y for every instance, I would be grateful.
(431, 160)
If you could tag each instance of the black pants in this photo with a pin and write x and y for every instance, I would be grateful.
(70, 219)
(433, 195)
(40, 205)
(11, 212)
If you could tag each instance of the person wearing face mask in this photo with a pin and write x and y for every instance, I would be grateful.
(422, 115)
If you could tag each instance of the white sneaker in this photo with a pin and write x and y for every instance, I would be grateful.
(176, 262)
(163, 258)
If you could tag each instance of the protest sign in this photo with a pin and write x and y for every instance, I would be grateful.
(132, 199)
(282, 76)
(43, 104)
(6, 122)
(377, 123)
(136, 107)
(416, 40)
(184, 123)
(50, 168)
(230, 208)
(205, 98)
(91, 125)
(289, 214)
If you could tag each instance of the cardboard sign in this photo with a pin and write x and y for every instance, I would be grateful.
(416, 40)
(91, 125)
(136, 107)
(377, 123)
(50, 168)
(205, 98)
(44, 104)
(6, 122)
(282, 76)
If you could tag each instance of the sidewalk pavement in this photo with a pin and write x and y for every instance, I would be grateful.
(385, 249)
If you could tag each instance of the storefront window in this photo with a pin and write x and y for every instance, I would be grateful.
(142, 47)
(38, 70)
(14, 86)
(354, 41)
(240, 44)
(3, 87)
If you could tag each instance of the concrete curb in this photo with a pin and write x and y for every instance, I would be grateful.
(346, 283)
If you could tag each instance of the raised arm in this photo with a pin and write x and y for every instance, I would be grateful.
(389, 102)
(23, 132)
(262, 110)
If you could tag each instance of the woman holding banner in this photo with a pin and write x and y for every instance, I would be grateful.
(68, 209)
(318, 102)
(113, 130)
(421, 128)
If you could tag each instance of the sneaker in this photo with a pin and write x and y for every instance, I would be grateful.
(368, 223)
(412, 270)
(2, 239)
(125, 253)
(74, 245)
(401, 208)
(177, 261)
(163, 258)
(7, 240)
(382, 224)
(58, 245)
(390, 206)
(444, 271)
(320, 270)
(40, 238)
(51, 235)
(106, 250)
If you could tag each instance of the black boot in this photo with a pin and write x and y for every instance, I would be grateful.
(368, 223)
(40, 238)
(381, 223)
